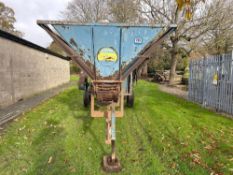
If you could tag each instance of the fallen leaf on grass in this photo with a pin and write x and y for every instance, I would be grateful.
(208, 147)
(72, 169)
(20, 129)
(231, 159)
(162, 138)
(184, 144)
(196, 158)
(213, 141)
(66, 161)
(214, 173)
(220, 131)
(24, 169)
(50, 160)
(173, 166)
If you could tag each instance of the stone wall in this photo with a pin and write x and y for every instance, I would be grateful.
(26, 71)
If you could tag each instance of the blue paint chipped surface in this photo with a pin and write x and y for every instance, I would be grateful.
(103, 38)
(127, 41)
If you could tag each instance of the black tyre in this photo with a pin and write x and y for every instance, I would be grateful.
(130, 100)
(86, 99)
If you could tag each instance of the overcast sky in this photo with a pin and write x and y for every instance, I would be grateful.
(28, 11)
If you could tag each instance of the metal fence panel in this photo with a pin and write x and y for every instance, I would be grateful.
(195, 86)
(211, 82)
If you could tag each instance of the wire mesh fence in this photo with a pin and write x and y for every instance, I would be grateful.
(211, 82)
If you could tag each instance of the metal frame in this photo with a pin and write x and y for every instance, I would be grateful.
(73, 55)
(110, 92)
(120, 103)
(48, 22)
(123, 73)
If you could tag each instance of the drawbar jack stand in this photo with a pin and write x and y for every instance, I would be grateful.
(110, 162)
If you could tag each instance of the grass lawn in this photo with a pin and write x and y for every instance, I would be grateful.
(162, 134)
(74, 78)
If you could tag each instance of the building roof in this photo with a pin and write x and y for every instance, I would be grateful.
(11, 37)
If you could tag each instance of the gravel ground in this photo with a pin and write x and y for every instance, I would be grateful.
(174, 90)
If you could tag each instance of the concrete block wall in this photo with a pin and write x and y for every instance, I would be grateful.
(25, 71)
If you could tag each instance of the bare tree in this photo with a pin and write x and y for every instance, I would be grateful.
(124, 11)
(168, 12)
(84, 11)
(219, 39)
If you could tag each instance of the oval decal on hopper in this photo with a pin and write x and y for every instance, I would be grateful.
(107, 54)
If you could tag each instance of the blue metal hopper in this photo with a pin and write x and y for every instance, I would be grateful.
(122, 42)
(109, 50)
